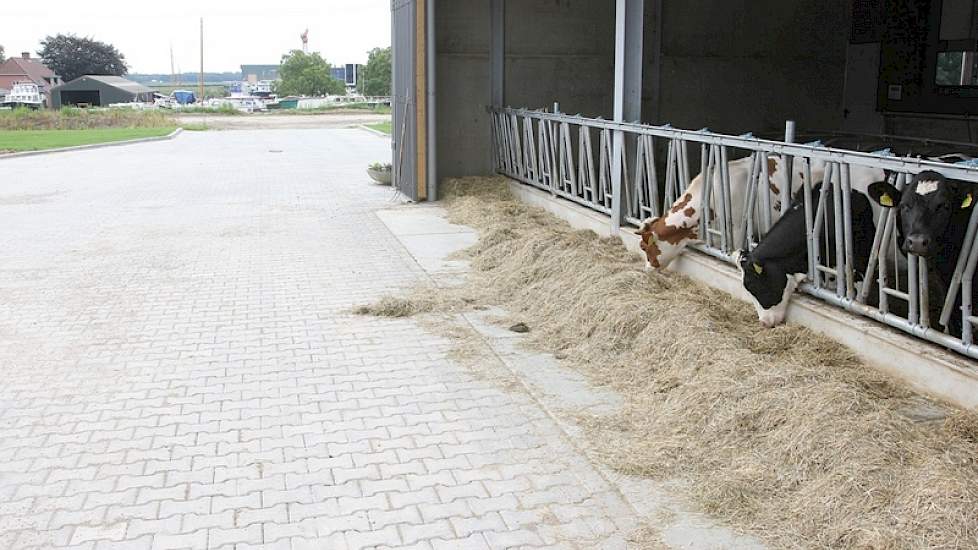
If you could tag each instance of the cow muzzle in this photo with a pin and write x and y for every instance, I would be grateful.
(771, 320)
(919, 244)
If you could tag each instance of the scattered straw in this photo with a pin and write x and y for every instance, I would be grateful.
(779, 431)
(645, 538)
(392, 306)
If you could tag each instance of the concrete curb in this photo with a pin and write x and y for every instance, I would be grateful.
(372, 131)
(169, 136)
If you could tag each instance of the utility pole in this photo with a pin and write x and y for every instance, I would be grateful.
(173, 71)
(202, 59)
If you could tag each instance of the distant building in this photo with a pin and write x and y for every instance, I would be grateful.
(28, 69)
(257, 73)
(349, 74)
(97, 90)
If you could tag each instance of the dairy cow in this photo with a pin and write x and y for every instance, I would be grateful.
(779, 263)
(665, 237)
(932, 218)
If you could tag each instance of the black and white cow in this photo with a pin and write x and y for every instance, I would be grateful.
(779, 263)
(932, 219)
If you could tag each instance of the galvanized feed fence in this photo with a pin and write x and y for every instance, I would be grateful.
(572, 157)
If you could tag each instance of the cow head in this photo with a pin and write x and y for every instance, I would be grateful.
(770, 287)
(925, 209)
(665, 237)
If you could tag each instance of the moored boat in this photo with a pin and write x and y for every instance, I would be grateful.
(24, 94)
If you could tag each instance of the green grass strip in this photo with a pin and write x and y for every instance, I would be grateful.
(384, 127)
(38, 140)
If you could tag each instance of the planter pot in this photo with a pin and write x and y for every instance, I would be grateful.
(382, 177)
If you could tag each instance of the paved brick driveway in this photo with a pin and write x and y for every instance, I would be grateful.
(179, 368)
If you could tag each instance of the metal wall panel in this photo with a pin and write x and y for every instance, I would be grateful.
(403, 99)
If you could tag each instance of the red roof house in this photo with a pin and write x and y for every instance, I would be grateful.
(26, 68)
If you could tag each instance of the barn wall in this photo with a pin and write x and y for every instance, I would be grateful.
(963, 129)
(910, 33)
(747, 65)
(732, 65)
(561, 51)
(556, 50)
(107, 94)
(462, 51)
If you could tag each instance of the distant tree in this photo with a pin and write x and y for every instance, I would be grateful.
(376, 77)
(308, 74)
(71, 56)
(2, 58)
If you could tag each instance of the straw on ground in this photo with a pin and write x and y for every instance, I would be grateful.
(780, 432)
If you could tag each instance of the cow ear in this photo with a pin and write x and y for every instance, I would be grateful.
(645, 227)
(884, 194)
(968, 194)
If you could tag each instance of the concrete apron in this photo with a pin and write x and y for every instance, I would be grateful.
(926, 367)
(426, 234)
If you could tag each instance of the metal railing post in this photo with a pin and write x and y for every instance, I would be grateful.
(955, 284)
(728, 199)
(789, 137)
(629, 21)
(850, 272)
(809, 220)
(966, 288)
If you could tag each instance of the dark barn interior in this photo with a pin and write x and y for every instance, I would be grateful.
(865, 67)
(76, 97)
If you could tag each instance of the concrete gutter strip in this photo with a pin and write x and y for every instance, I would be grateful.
(171, 135)
(926, 367)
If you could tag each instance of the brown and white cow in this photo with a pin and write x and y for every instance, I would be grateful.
(665, 237)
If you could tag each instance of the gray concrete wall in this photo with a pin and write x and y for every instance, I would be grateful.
(732, 65)
(555, 51)
(962, 129)
(462, 85)
(747, 65)
(561, 51)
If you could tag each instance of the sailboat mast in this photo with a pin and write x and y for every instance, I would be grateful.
(201, 59)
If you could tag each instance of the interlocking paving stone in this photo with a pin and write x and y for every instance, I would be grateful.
(182, 370)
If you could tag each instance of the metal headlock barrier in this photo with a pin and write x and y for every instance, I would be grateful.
(572, 157)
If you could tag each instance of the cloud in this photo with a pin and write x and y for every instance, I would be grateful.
(235, 32)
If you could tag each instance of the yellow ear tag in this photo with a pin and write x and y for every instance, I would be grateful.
(886, 199)
(967, 201)
(758, 269)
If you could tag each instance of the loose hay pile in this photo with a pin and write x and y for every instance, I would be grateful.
(780, 431)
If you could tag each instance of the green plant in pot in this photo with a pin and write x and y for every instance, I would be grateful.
(380, 172)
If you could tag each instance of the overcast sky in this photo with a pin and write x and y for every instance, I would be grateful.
(236, 32)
